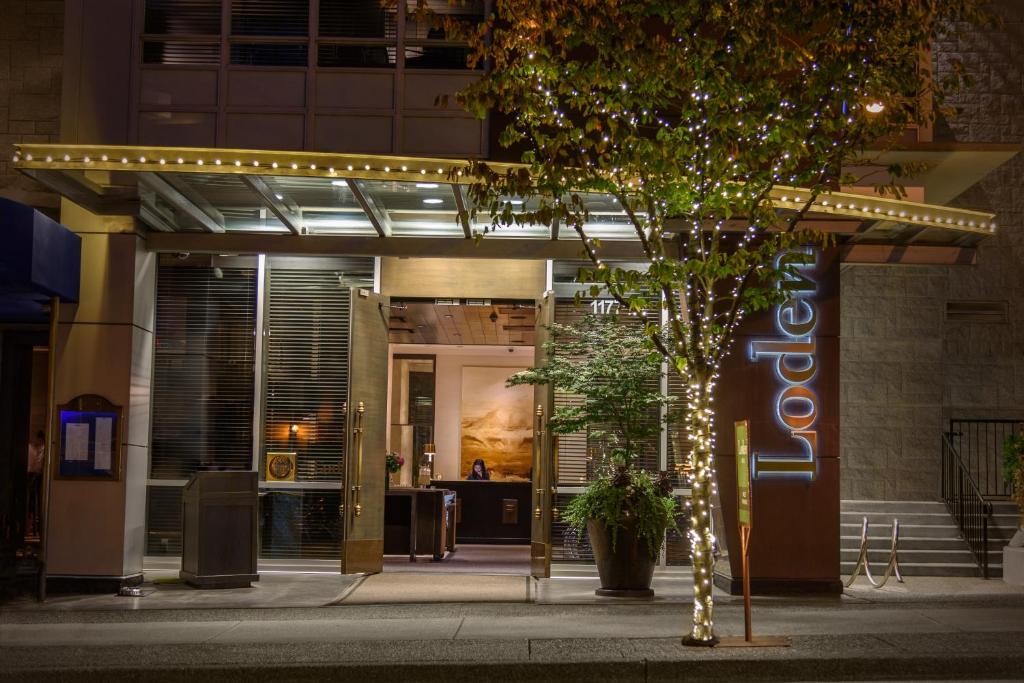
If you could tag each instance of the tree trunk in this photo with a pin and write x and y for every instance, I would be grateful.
(700, 421)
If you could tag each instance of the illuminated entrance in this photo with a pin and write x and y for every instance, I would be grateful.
(278, 272)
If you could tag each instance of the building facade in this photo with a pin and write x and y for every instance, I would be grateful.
(205, 317)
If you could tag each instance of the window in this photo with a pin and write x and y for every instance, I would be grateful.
(427, 43)
(270, 32)
(194, 25)
(204, 369)
(357, 33)
(270, 17)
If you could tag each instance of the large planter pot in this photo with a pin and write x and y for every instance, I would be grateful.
(625, 570)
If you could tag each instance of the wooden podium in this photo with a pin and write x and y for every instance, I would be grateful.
(219, 530)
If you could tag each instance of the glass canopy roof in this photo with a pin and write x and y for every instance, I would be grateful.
(189, 190)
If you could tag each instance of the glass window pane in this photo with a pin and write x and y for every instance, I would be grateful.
(180, 52)
(357, 19)
(203, 370)
(300, 524)
(429, 25)
(270, 17)
(195, 17)
(327, 206)
(416, 209)
(307, 365)
(242, 209)
(360, 56)
(269, 54)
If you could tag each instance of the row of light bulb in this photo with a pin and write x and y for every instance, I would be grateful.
(256, 163)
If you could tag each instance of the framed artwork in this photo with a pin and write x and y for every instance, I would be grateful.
(497, 424)
(280, 466)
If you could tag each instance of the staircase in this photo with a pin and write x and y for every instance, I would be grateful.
(930, 542)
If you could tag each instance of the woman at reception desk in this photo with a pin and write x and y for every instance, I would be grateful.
(479, 471)
(490, 511)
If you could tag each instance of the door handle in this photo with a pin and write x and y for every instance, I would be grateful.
(554, 476)
(357, 438)
(538, 432)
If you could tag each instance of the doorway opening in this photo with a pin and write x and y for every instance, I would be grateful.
(23, 400)
(461, 440)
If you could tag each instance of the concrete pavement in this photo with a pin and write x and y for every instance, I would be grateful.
(922, 630)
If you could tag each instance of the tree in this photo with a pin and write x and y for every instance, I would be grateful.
(690, 113)
(605, 365)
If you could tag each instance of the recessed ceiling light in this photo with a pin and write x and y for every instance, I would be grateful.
(433, 200)
(427, 186)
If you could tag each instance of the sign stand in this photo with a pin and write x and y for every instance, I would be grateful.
(745, 519)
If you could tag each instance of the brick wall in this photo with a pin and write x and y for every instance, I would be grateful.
(31, 45)
(905, 370)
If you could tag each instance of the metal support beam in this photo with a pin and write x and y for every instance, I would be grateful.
(274, 205)
(152, 217)
(888, 254)
(179, 201)
(460, 204)
(379, 219)
(178, 183)
(84, 193)
(433, 247)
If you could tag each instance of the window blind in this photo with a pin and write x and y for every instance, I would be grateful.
(184, 17)
(357, 19)
(270, 17)
(307, 370)
(203, 377)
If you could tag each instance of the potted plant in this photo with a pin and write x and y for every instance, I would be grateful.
(393, 462)
(1013, 470)
(608, 366)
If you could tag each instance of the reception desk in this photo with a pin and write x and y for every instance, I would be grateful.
(491, 512)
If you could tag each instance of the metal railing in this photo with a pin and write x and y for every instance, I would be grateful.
(964, 501)
(980, 445)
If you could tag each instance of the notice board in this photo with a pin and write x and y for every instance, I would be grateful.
(89, 439)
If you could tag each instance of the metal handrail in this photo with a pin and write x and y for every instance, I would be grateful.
(979, 443)
(964, 501)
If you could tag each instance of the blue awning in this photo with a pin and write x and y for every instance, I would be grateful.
(39, 259)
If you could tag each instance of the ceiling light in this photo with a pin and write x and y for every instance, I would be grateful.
(433, 200)
(515, 202)
(339, 183)
(279, 196)
(427, 186)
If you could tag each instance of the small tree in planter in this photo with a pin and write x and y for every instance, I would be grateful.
(609, 365)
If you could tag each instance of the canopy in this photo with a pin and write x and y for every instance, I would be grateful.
(224, 200)
(40, 260)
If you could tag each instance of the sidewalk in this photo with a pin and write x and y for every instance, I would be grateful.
(924, 629)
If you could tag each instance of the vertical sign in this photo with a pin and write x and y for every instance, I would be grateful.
(743, 471)
(742, 428)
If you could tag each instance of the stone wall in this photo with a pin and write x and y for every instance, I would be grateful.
(906, 370)
(31, 48)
